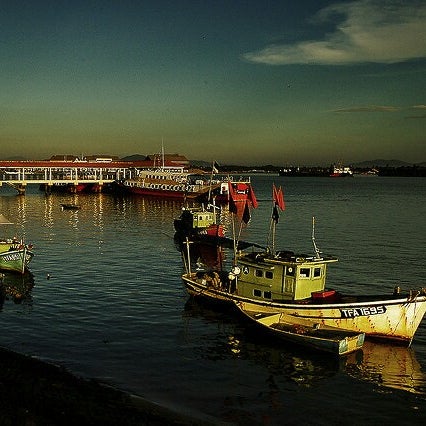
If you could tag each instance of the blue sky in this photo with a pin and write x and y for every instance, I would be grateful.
(241, 82)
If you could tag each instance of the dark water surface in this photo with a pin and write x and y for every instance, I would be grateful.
(115, 308)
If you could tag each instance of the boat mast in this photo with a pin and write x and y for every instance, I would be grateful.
(162, 153)
(316, 249)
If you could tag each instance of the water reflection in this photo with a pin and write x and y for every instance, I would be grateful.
(16, 287)
(226, 336)
(234, 339)
(387, 365)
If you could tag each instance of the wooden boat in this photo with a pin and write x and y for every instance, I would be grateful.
(199, 222)
(15, 255)
(70, 207)
(307, 333)
(270, 281)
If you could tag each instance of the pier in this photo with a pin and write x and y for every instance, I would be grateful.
(73, 176)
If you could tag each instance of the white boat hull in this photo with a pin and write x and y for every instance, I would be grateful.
(394, 317)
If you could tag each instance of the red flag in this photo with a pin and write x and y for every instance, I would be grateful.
(278, 197)
(252, 198)
(232, 206)
(246, 214)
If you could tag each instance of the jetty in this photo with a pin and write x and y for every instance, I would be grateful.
(73, 175)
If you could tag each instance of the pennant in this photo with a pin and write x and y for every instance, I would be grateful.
(246, 214)
(252, 198)
(278, 197)
(275, 214)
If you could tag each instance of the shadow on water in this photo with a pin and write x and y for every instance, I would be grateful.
(16, 287)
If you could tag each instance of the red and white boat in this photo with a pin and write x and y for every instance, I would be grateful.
(169, 182)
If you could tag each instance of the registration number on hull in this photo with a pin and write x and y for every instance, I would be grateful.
(362, 311)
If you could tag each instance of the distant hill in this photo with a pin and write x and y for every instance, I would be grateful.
(16, 158)
(135, 157)
(383, 163)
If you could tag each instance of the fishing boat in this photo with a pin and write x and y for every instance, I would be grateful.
(272, 281)
(15, 255)
(305, 332)
(201, 222)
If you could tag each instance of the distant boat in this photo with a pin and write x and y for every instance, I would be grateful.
(367, 173)
(341, 171)
(311, 334)
(69, 207)
(15, 255)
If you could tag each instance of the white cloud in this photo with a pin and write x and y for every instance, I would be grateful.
(370, 108)
(382, 31)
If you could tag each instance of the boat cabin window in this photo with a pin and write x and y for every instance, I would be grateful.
(290, 271)
(317, 272)
(266, 294)
(259, 273)
(304, 272)
(269, 274)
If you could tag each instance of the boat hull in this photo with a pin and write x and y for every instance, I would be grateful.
(307, 333)
(390, 317)
(164, 193)
(16, 260)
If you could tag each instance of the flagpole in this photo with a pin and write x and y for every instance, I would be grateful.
(210, 186)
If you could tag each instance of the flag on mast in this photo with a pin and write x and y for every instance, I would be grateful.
(252, 197)
(278, 197)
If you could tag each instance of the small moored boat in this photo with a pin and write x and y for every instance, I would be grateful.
(15, 254)
(307, 333)
(69, 207)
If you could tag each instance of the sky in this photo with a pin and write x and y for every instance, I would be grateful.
(307, 82)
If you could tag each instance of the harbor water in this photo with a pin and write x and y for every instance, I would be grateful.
(106, 302)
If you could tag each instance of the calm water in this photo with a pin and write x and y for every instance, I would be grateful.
(115, 308)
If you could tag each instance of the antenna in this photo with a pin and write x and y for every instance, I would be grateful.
(162, 153)
(317, 252)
